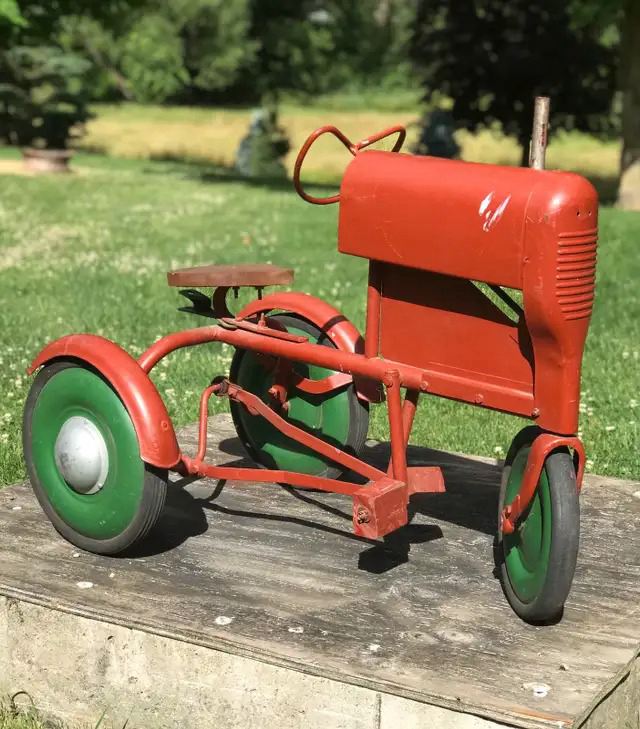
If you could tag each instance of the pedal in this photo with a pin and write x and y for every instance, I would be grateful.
(425, 480)
(380, 508)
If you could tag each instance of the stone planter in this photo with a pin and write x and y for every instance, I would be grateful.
(47, 160)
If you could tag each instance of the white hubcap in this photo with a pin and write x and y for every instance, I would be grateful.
(81, 455)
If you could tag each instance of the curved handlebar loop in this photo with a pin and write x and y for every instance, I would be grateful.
(328, 129)
(397, 129)
(353, 148)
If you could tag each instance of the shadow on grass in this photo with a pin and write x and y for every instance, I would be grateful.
(208, 172)
(217, 171)
(211, 172)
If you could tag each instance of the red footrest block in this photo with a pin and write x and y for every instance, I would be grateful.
(379, 508)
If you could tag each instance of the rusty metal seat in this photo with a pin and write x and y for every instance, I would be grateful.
(232, 276)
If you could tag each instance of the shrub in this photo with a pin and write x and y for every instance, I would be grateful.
(43, 96)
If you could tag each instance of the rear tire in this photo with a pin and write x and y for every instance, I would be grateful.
(537, 562)
(83, 460)
(340, 418)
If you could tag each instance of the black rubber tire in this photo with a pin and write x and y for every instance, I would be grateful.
(153, 491)
(359, 409)
(548, 605)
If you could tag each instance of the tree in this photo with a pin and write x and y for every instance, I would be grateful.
(310, 47)
(43, 95)
(629, 188)
(621, 19)
(179, 48)
(293, 40)
(493, 57)
(246, 50)
(10, 13)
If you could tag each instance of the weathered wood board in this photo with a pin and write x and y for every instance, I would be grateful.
(276, 574)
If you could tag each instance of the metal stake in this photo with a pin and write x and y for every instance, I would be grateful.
(538, 146)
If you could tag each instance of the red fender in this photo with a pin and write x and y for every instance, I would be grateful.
(328, 319)
(153, 426)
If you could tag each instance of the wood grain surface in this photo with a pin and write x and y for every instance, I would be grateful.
(276, 574)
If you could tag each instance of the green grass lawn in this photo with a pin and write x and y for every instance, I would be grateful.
(88, 252)
(212, 135)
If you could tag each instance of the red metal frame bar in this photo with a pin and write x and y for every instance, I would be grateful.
(197, 465)
(254, 404)
(256, 407)
(394, 410)
(204, 414)
(379, 507)
(409, 407)
(540, 449)
(261, 328)
(448, 384)
(193, 467)
(372, 331)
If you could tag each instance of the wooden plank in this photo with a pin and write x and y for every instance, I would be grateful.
(276, 574)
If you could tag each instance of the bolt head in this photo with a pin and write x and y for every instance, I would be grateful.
(362, 515)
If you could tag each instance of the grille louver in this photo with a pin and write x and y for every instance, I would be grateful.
(576, 273)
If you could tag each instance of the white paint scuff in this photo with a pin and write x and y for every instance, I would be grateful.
(223, 620)
(485, 203)
(490, 215)
(84, 585)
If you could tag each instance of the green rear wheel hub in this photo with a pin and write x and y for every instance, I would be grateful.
(79, 393)
(325, 416)
(528, 549)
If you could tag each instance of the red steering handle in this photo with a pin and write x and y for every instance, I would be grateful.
(353, 148)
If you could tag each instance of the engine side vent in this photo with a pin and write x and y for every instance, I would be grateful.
(576, 273)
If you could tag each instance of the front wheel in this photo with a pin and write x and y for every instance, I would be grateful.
(537, 562)
(83, 460)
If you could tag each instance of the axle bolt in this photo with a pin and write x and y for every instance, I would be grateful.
(362, 515)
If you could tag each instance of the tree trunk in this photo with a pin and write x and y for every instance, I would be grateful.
(629, 187)
(525, 143)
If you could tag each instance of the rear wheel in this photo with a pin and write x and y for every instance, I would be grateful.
(83, 460)
(537, 562)
(339, 417)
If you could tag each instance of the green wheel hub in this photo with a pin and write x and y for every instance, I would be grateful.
(77, 409)
(325, 416)
(527, 550)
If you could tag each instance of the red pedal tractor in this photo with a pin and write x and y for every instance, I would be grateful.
(99, 442)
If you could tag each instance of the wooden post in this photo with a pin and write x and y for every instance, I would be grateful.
(538, 147)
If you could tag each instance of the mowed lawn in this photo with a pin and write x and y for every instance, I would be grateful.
(89, 252)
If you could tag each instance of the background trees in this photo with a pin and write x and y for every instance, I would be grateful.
(492, 58)
(43, 87)
(203, 51)
(486, 59)
(629, 84)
